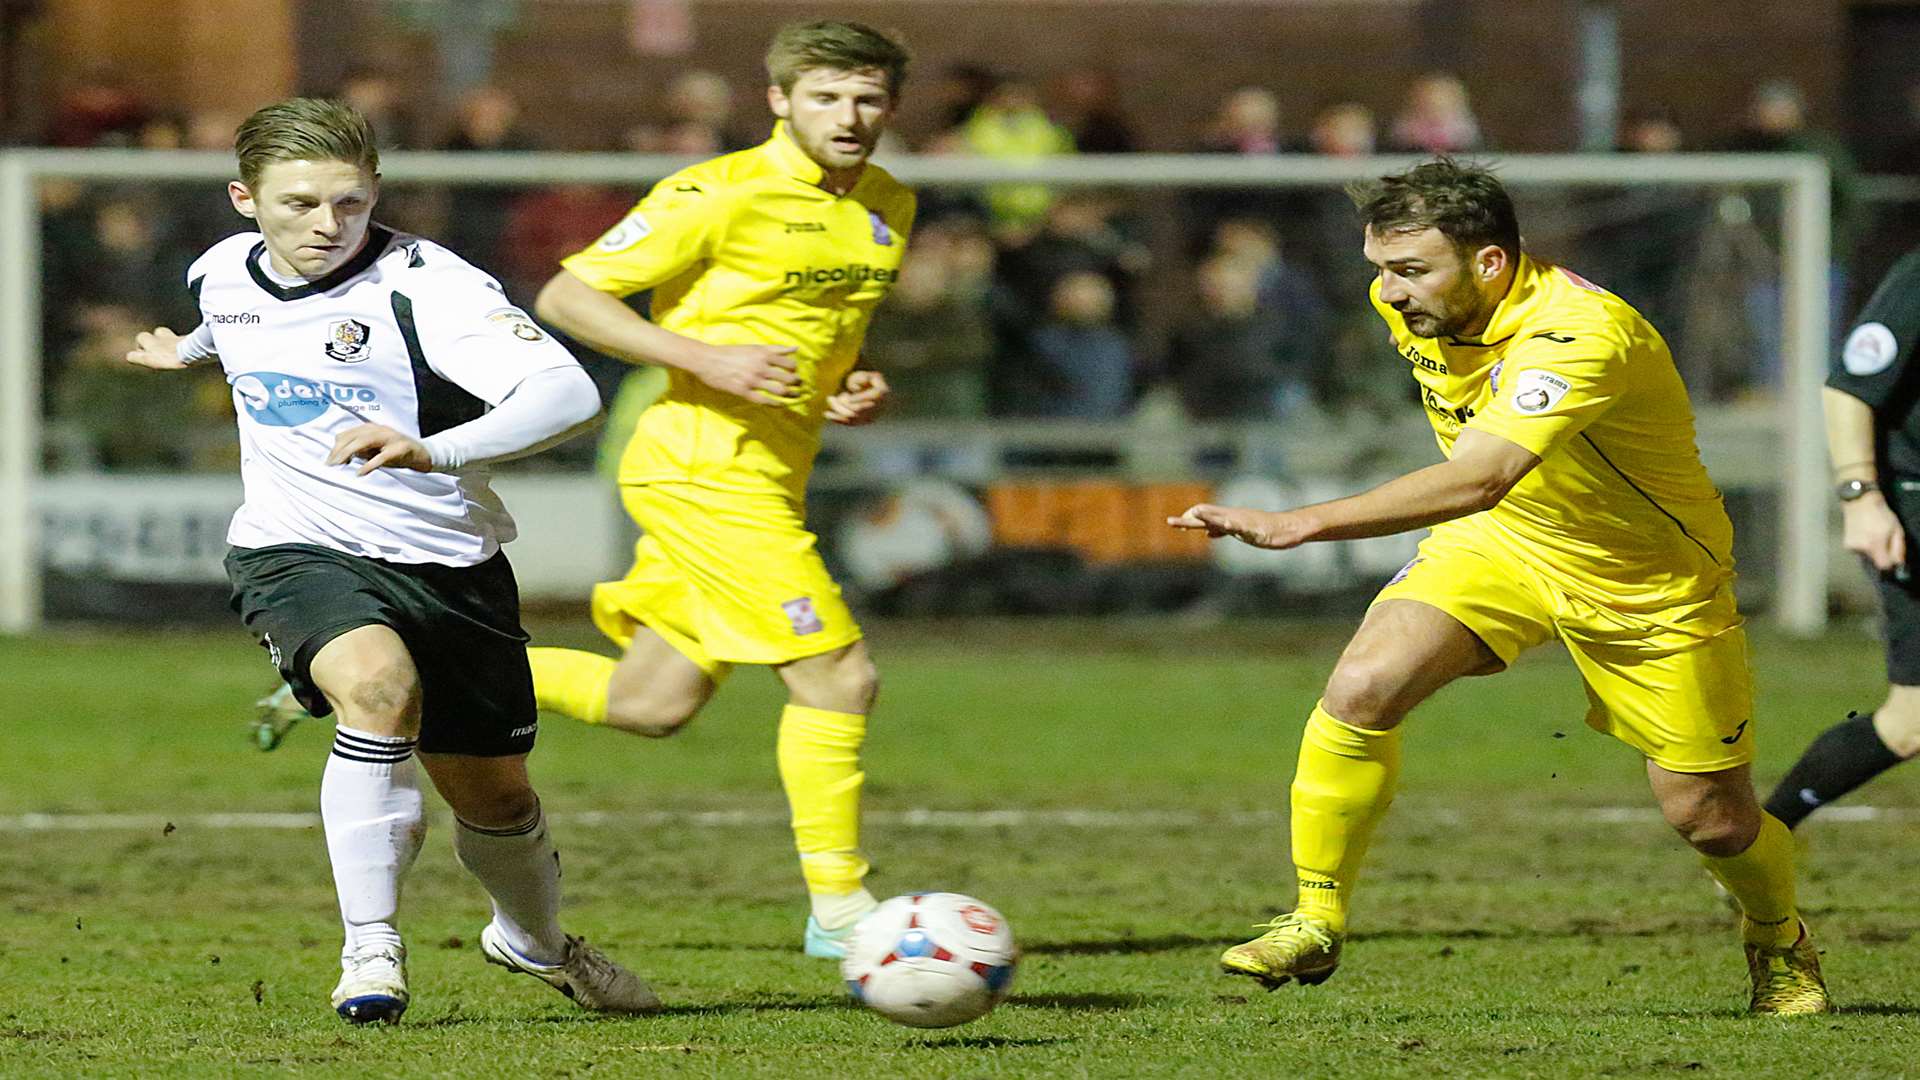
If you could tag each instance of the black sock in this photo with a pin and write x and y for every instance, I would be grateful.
(1845, 756)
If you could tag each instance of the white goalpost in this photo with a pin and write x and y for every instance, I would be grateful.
(1801, 591)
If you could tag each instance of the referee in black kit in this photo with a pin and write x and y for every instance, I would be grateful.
(1872, 404)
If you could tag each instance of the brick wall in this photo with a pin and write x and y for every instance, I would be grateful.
(570, 60)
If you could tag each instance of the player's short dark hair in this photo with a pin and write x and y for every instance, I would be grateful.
(836, 45)
(1466, 202)
(304, 129)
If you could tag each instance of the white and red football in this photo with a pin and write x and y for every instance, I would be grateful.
(931, 960)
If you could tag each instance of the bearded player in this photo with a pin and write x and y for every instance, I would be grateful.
(1572, 505)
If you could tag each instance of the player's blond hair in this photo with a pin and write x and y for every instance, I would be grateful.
(304, 129)
(836, 46)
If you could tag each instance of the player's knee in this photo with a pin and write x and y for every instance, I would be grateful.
(1361, 692)
(387, 701)
(1710, 826)
(494, 807)
(653, 718)
(846, 682)
(862, 683)
(1718, 837)
(854, 685)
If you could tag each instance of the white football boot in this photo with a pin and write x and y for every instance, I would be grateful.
(373, 985)
(587, 975)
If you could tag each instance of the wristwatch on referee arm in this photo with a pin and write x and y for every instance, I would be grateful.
(1849, 490)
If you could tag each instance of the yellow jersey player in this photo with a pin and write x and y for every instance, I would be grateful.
(1572, 504)
(765, 266)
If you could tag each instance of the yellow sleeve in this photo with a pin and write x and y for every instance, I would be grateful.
(1552, 386)
(669, 232)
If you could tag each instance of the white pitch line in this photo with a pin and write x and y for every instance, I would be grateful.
(1069, 818)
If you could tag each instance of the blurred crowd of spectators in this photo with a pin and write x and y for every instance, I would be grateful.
(1017, 300)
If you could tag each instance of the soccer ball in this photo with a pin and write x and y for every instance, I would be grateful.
(931, 960)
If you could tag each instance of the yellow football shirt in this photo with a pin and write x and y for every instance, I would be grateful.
(748, 249)
(1620, 509)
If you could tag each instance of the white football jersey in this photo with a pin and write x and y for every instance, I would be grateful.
(405, 334)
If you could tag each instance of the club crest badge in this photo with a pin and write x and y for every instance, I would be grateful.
(1537, 391)
(629, 231)
(881, 234)
(514, 321)
(804, 618)
(1870, 349)
(347, 340)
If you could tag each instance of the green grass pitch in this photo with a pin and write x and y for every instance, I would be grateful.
(1524, 912)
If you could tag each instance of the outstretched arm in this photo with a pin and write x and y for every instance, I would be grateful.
(163, 350)
(1482, 470)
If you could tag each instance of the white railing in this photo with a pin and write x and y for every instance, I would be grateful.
(1800, 597)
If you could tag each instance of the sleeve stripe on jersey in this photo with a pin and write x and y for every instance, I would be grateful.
(1650, 499)
(442, 404)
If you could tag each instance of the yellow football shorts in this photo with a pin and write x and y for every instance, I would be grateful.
(1673, 684)
(725, 578)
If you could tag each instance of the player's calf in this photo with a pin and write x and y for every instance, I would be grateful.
(488, 792)
(650, 717)
(656, 689)
(495, 809)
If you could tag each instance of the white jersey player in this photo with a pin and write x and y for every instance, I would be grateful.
(405, 335)
(374, 376)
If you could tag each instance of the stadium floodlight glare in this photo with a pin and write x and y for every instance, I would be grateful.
(1800, 596)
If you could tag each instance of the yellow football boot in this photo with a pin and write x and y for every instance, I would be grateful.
(1786, 981)
(1295, 946)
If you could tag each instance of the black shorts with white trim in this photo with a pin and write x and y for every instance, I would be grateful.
(460, 624)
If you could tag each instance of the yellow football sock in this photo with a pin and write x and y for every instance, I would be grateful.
(819, 754)
(1341, 789)
(571, 682)
(1761, 878)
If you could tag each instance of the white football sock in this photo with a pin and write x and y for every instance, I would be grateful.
(835, 910)
(520, 870)
(370, 805)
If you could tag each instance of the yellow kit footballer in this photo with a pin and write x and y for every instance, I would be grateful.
(1572, 505)
(765, 268)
